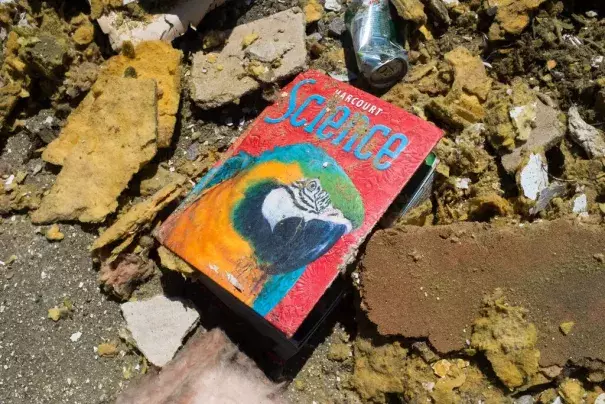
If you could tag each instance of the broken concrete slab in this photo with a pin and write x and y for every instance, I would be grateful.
(159, 325)
(137, 216)
(159, 61)
(548, 268)
(278, 52)
(121, 27)
(546, 132)
(587, 136)
(108, 138)
(210, 370)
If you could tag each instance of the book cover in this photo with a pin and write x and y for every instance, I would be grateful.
(286, 209)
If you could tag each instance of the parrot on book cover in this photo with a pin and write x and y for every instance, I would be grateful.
(254, 223)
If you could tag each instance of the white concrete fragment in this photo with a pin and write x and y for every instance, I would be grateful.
(590, 138)
(333, 5)
(158, 326)
(463, 183)
(217, 79)
(119, 27)
(451, 3)
(75, 336)
(600, 399)
(596, 61)
(580, 204)
(534, 177)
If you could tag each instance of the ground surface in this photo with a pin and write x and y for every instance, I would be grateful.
(43, 361)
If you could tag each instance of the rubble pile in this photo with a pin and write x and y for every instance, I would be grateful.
(488, 290)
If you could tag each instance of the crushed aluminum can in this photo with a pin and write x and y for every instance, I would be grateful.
(381, 60)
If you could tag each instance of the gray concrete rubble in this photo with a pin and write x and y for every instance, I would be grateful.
(587, 136)
(263, 51)
(159, 325)
(546, 132)
(165, 27)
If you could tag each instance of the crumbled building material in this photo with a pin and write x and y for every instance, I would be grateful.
(159, 61)
(107, 350)
(503, 132)
(121, 27)
(154, 178)
(411, 10)
(546, 132)
(218, 79)
(209, 369)
(121, 276)
(173, 262)
(54, 233)
(44, 125)
(440, 295)
(533, 176)
(138, 216)
(108, 138)
(572, 391)
(508, 341)
(159, 325)
(18, 198)
(313, 11)
(469, 73)
(588, 137)
(512, 16)
(384, 372)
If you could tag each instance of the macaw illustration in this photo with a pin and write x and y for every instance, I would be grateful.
(253, 224)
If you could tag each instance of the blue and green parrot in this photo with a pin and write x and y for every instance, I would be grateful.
(254, 223)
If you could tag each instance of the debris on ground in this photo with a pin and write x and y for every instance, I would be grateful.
(545, 132)
(166, 26)
(209, 369)
(159, 325)
(121, 276)
(588, 137)
(111, 135)
(173, 262)
(130, 102)
(54, 233)
(107, 350)
(440, 295)
(159, 61)
(130, 223)
(278, 52)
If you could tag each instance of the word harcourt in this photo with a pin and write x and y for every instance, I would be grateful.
(356, 128)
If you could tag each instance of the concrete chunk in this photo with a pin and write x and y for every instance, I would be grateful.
(585, 135)
(158, 326)
(547, 131)
(121, 27)
(279, 47)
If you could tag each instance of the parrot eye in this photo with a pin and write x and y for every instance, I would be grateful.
(312, 186)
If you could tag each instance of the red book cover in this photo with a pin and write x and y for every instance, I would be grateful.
(286, 209)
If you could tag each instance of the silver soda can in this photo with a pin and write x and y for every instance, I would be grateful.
(381, 60)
